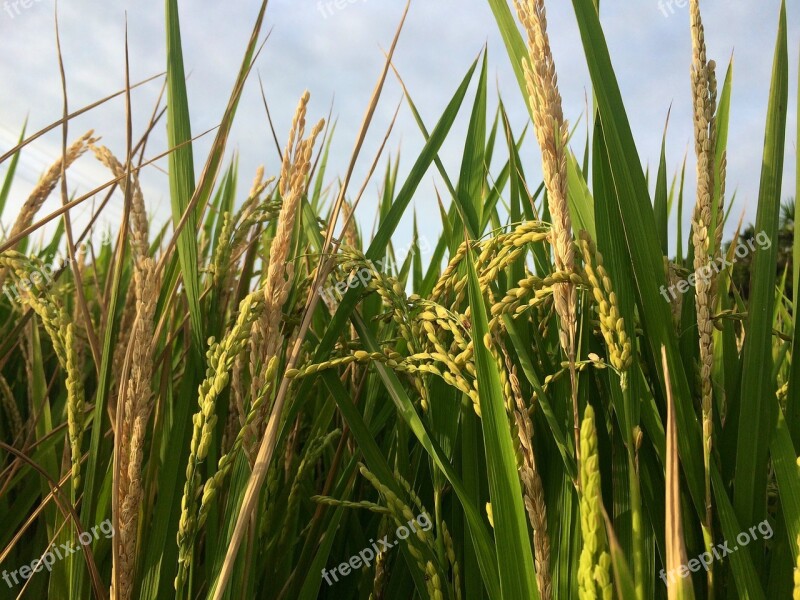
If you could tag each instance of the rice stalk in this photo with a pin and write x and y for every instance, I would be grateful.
(552, 133)
(137, 407)
(292, 187)
(75, 402)
(704, 94)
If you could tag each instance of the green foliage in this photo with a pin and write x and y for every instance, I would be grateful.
(413, 385)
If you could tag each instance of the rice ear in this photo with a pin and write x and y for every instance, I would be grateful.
(44, 188)
(279, 271)
(705, 240)
(48, 182)
(532, 484)
(136, 406)
(138, 216)
(552, 133)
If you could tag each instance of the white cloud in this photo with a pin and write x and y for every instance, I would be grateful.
(340, 56)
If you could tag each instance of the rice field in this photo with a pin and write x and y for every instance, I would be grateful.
(259, 398)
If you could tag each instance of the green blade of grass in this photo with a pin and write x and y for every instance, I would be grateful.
(757, 387)
(181, 168)
(427, 157)
(784, 460)
(640, 235)
(472, 179)
(723, 122)
(622, 573)
(581, 202)
(793, 397)
(512, 39)
(12, 169)
(514, 556)
(661, 199)
(744, 572)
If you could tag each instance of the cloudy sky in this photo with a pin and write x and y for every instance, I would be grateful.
(337, 55)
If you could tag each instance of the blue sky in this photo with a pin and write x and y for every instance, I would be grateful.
(337, 55)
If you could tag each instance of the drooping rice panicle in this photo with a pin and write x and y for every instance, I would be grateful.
(421, 545)
(612, 325)
(381, 563)
(221, 356)
(451, 558)
(140, 236)
(48, 182)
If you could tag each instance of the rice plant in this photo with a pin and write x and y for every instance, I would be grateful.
(259, 399)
